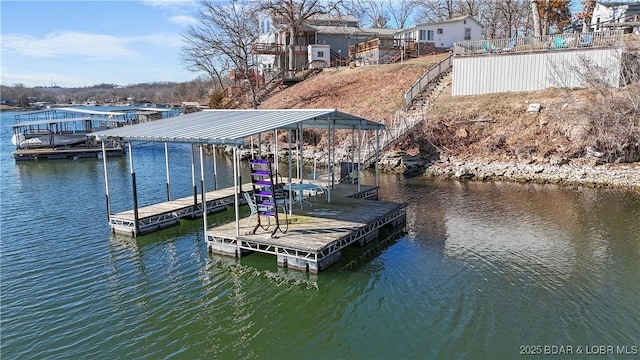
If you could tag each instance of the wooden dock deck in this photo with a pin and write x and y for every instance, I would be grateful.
(315, 234)
(162, 215)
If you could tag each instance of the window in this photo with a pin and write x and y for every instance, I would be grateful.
(439, 31)
(429, 35)
(423, 35)
(320, 54)
(467, 33)
(464, 22)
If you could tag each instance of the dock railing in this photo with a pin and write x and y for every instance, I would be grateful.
(431, 74)
(611, 38)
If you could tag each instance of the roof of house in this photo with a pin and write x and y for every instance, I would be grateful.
(231, 127)
(618, 3)
(356, 31)
(453, 20)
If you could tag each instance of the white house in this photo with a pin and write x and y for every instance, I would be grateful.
(610, 15)
(443, 34)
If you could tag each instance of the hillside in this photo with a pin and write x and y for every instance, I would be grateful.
(573, 127)
(373, 92)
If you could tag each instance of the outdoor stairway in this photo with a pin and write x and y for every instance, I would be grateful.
(417, 100)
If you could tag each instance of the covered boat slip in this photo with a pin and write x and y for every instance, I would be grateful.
(346, 217)
(62, 138)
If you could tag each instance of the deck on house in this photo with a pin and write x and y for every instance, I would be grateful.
(165, 214)
(316, 233)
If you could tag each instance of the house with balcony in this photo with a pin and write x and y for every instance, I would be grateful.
(323, 41)
(616, 15)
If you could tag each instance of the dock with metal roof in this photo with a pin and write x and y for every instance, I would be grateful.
(316, 231)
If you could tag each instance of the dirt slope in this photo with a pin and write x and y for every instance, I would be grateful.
(373, 92)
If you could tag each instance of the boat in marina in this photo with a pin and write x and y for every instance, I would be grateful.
(64, 133)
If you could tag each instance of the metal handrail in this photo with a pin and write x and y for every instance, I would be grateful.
(435, 71)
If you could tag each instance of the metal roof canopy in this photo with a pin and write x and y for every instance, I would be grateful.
(64, 120)
(231, 127)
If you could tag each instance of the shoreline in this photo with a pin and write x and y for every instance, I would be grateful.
(599, 176)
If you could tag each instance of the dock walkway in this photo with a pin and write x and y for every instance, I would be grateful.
(162, 215)
(317, 233)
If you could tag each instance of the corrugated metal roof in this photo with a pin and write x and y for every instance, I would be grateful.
(65, 120)
(231, 127)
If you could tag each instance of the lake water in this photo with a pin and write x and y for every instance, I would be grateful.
(483, 270)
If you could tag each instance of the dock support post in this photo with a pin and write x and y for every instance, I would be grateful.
(275, 152)
(377, 156)
(193, 176)
(106, 180)
(203, 190)
(215, 169)
(329, 164)
(166, 162)
(290, 174)
(300, 157)
(236, 199)
(359, 152)
(136, 225)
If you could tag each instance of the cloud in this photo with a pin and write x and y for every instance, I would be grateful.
(183, 20)
(31, 79)
(66, 43)
(171, 4)
(69, 43)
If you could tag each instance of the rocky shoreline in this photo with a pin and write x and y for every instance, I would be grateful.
(579, 172)
(606, 175)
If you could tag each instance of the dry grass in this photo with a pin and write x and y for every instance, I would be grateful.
(372, 92)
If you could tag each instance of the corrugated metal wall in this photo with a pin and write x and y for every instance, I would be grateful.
(485, 74)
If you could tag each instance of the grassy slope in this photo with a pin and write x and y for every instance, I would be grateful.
(373, 92)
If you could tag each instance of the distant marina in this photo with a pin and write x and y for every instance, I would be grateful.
(64, 132)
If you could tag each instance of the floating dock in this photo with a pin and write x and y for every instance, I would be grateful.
(166, 214)
(66, 153)
(315, 234)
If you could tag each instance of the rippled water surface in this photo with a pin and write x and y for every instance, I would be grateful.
(482, 271)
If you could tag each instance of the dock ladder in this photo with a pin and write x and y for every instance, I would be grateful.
(265, 196)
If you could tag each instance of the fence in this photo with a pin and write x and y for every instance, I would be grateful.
(540, 43)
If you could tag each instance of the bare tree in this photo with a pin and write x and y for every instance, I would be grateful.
(223, 35)
(437, 10)
(370, 12)
(535, 13)
(586, 14)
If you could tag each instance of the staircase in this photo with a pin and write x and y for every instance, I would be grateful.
(417, 100)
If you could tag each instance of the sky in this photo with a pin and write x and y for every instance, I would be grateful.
(81, 43)
(86, 43)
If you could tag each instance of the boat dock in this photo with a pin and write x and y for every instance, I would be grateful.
(308, 236)
(315, 234)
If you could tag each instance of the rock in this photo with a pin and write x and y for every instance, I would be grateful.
(462, 133)
(463, 173)
(557, 160)
(534, 107)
